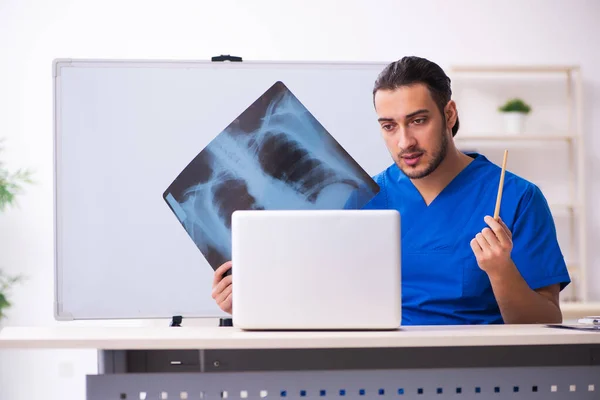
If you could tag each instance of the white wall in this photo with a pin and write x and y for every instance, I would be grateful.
(33, 33)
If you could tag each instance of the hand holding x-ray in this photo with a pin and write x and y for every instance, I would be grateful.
(222, 287)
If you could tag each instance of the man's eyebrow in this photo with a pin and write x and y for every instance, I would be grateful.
(421, 111)
(412, 114)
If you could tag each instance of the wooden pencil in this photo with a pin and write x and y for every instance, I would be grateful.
(500, 187)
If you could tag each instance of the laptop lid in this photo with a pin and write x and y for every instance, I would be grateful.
(316, 269)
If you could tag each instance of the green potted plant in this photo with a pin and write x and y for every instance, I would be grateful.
(10, 186)
(515, 111)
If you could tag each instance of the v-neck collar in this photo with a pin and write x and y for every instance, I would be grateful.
(402, 178)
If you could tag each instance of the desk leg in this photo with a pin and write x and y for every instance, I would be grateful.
(112, 362)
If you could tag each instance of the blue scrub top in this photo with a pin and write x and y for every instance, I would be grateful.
(441, 281)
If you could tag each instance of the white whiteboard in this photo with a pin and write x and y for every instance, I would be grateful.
(125, 129)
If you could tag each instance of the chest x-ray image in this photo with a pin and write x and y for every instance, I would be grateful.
(274, 156)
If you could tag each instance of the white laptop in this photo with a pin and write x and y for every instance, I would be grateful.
(316, 270)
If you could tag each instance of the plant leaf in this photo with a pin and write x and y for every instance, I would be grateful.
(4, 303)
(11, 185)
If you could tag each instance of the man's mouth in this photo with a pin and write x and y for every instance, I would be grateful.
(412, 158)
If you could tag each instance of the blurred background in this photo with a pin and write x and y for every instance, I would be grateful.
(543, 53)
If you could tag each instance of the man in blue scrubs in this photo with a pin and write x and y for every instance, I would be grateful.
(459, 265)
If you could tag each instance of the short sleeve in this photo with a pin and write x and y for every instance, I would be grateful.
(536, 251)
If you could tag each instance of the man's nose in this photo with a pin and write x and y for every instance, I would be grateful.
(405, 139)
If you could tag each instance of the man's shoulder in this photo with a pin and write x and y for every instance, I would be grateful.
(383, 180)
(521, 185)
(526, 192)
(515, 185)
(390, 173)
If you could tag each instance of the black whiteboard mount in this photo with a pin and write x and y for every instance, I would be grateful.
(176, 321)
(226, 57)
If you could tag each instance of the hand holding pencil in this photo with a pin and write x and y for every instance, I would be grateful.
(493, 245)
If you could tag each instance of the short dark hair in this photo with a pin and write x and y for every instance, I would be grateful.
(410, 70)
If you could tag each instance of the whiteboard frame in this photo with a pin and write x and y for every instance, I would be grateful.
(59, 63)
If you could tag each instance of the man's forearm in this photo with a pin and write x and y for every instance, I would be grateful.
(518, 303)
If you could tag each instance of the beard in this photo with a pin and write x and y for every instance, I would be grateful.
(438, 156)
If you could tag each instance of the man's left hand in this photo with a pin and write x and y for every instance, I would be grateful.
(492, 246)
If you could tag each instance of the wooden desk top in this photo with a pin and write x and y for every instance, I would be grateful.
(130, 338)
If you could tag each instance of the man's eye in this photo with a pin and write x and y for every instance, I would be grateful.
(387, 127)
(419, 121)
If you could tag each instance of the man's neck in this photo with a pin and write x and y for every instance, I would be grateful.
(433, 184)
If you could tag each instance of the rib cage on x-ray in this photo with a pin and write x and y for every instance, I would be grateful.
(275, 155)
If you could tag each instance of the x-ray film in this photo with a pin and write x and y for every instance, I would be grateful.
(274, 156)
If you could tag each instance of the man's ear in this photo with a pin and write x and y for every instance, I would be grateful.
(451, 114)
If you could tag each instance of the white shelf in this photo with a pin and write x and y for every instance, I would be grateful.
(572, 264)
(576, 310)
(515, 68)
(508, 137)
(556, 207)
(570, 139)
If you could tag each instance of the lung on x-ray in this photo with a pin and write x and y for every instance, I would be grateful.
(274, 156)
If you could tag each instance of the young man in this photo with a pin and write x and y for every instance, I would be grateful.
(459, 265)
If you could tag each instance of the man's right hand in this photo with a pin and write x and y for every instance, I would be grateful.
(222, 287)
